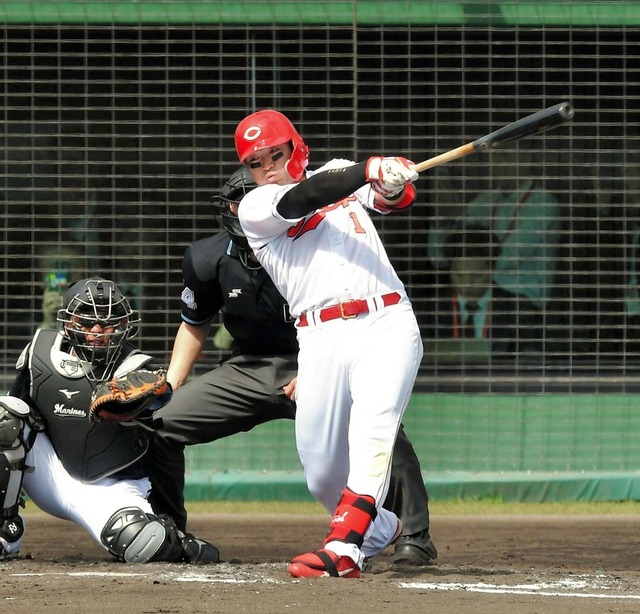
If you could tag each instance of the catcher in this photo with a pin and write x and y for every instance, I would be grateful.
(73, 432)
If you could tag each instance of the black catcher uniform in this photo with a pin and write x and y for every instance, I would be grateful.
(220, 275)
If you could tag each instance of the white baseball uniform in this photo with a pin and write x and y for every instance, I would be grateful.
(55, 491)
(355, 374)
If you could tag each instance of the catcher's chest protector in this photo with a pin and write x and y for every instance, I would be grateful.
(89, 453)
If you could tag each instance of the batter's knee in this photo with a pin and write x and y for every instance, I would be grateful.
(133, 536)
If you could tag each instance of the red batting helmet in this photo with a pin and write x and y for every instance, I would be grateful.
(269, 128)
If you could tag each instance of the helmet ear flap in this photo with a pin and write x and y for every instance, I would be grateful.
(298, 162)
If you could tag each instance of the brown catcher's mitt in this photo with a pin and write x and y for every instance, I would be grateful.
(124, 398)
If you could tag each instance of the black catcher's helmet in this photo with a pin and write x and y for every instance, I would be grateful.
(239, 184)
(97, 302)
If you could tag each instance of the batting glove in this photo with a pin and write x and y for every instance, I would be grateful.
(389, 176)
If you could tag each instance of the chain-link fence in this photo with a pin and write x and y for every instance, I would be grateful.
(118, 124)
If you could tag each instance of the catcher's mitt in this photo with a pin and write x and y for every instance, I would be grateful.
(124, 398)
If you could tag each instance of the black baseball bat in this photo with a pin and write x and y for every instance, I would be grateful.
(525, 126)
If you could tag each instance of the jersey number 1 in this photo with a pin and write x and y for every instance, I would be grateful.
(314, 221)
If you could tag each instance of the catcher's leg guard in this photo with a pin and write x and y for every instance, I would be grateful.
(134, 536)
(13, 414)
(351, 519)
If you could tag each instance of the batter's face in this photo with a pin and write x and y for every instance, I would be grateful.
(267, 165)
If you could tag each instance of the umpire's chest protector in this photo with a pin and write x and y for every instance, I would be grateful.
(88, 452)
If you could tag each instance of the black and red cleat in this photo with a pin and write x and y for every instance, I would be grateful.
(323, 564)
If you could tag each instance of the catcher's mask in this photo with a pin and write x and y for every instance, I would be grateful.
(97, 320)
(238, 184)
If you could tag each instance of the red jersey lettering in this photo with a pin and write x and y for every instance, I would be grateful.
(311, 223)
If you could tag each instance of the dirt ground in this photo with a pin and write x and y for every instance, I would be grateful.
(523, 564)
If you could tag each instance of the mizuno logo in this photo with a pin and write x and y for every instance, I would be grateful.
(69, 393)
(235, 293)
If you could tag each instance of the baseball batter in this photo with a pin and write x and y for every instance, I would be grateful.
(360, 345)
(93, 475)
(248, 388)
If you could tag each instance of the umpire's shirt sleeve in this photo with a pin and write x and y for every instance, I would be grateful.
(202, 294)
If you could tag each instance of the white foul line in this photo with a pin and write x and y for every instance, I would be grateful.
(518, 589)
(569, 587)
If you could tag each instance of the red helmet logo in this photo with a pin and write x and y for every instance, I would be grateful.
(252, 133)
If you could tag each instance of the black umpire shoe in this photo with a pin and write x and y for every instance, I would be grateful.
(416, 549)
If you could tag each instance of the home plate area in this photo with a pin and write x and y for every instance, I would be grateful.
(486, 564)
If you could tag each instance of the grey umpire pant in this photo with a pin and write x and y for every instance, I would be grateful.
(241, 393)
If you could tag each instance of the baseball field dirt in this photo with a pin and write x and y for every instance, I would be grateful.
(486, 564)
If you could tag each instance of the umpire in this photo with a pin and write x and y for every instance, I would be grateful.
(220, 273)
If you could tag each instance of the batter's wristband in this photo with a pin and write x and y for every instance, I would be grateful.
(406, 199)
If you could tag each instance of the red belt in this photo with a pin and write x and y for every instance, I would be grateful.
(349, 309)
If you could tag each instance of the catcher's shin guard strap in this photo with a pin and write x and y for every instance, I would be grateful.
(351, 518)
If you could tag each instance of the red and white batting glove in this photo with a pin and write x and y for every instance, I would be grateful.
(389, 176)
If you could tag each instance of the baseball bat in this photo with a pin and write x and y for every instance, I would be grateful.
(525, 126)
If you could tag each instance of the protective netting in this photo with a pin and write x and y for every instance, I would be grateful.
(117, 128)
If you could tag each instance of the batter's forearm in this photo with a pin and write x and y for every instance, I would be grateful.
(322, 189)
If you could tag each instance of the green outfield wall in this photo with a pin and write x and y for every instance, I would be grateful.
(529, 448)
(340, 12)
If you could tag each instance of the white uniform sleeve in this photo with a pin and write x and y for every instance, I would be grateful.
(258, 216)
(260, 219)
